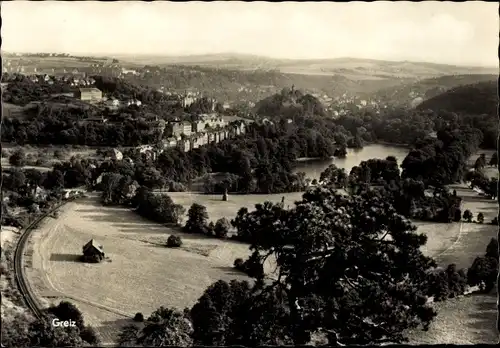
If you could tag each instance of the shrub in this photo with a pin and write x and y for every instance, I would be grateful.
(89, 335)
(480, 218)
(221, 228)
(239, 264)
(437, 285)
(446, 283)
(253, 268)
(18, 158)
(139, 317)
(468, 215)
(67, 311)
(494, 221)
(174, 241)
(209, 229)
(177, 187)
(41, 162)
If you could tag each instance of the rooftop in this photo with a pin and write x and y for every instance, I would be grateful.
(89, 89)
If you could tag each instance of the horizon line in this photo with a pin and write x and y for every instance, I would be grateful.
(166, 55)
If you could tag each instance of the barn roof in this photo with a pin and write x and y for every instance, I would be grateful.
(89, 89)
(93, 243)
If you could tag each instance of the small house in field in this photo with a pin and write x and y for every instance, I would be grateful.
(93, 252)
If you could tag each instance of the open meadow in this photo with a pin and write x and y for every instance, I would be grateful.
(140, 275)
(217, 208)
(469, 319)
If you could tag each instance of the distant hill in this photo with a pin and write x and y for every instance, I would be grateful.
(253, 85)
(354, 68)
(473, 99)
(416, 92)
(240, 78)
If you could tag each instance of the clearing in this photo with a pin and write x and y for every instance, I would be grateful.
(469, 319)
(217, 208)
(141, 273)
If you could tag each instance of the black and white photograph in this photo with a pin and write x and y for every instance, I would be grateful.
(230, 173)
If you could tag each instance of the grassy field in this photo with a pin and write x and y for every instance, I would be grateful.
(469, 319)
(141, 273)
(217, 208)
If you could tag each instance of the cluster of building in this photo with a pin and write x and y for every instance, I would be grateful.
(191, 135)
(346, 104)
(74, 80)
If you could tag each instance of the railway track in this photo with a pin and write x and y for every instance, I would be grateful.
(20, 277)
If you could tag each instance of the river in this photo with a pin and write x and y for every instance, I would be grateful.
(313, 168)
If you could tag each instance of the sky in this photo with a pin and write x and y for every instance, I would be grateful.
(464, 33)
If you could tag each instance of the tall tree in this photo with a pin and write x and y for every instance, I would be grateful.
(165, 327)
(350, 266)
(18, 158)
(494, 159)
(480, 162)
(197, 219)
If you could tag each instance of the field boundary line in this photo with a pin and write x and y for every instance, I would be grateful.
(454, 243)
(100, 306)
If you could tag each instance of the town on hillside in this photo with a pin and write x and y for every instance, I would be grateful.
(163, 186)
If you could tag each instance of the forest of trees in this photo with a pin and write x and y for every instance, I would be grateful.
(472, 99)
(404, 94)
(443, 160)
(22, 91)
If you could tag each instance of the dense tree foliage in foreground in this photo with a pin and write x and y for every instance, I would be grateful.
(348, 266)
(165, 327)
(24, 332)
